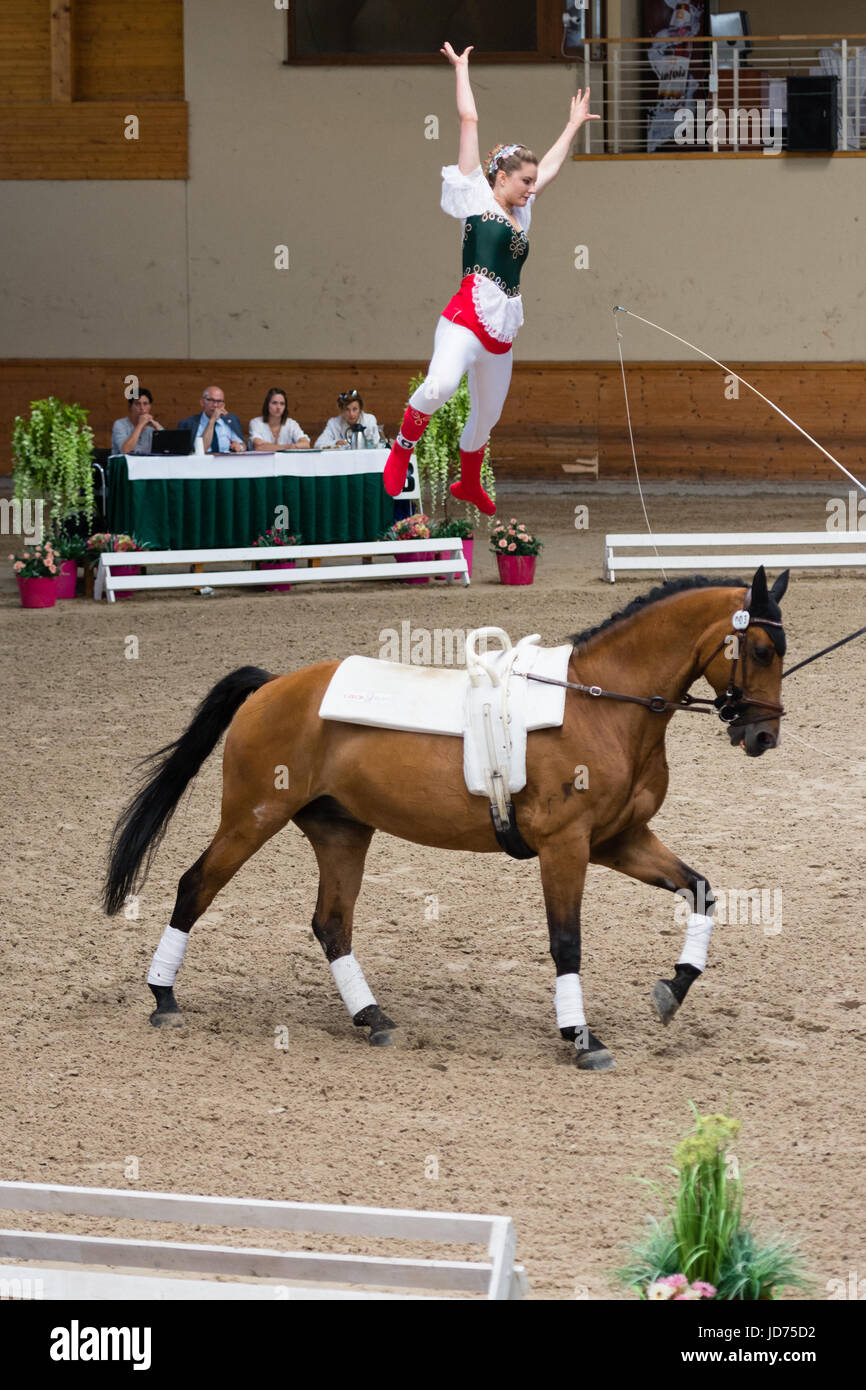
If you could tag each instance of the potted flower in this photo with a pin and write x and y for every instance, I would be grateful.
(437, 453)
(71, 551)
(515, 550)
(52, 456)
(456, 526)
(36, 569)
(114, 541)
(703, 1249)
(412, 528)
(277, 536)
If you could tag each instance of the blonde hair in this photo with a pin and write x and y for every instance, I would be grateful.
(509, 162)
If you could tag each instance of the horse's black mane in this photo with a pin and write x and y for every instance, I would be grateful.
(672, 586)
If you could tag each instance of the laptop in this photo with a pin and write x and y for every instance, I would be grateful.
(171, 442)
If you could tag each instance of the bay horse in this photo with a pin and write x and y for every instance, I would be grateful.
(338, 783)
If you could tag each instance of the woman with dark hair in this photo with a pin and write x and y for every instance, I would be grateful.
(341, 428)
(275, 430)
(477, 328)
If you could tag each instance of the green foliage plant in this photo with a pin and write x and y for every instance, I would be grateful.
(703, 1236)
(51, 458)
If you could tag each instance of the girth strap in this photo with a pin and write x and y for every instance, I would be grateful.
(508, 836)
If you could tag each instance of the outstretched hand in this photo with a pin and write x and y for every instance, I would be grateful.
(580, 111)
(457, 60)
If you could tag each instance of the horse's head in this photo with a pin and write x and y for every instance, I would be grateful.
(746, 671)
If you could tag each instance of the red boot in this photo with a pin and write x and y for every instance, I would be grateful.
(414, 424)
(468, 488)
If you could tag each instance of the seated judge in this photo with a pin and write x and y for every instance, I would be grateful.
(274, 429)
(133, 434)
(340, 427)
(220, 432)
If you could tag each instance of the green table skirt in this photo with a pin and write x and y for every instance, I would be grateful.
(191, 513)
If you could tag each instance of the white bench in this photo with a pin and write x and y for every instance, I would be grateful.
(449, 562)
(496, 1277)
(837, 550)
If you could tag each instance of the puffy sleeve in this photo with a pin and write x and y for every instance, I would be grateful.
(259, 430)
(464, 194)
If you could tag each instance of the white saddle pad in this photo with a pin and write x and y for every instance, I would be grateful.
(433, 700)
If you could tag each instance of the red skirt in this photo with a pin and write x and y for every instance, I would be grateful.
(461, 310)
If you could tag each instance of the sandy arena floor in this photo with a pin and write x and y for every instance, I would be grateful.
(774, 1033)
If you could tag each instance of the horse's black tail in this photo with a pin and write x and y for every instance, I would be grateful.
(140, 828)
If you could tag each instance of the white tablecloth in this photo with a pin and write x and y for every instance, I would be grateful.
(299, 463)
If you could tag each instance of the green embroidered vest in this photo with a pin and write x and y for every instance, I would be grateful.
(492, 246)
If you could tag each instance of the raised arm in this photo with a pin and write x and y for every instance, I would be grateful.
(469, 157)
(553, 161)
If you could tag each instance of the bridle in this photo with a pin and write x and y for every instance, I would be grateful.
(730, 706)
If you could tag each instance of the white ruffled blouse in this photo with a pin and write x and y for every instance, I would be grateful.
(463, 195)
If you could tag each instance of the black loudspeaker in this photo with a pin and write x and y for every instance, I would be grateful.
(813, 112)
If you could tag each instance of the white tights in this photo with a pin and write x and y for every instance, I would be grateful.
(456, 350)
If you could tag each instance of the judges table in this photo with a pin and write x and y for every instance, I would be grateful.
(193, 502)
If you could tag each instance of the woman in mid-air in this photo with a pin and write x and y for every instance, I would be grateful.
(477, 328)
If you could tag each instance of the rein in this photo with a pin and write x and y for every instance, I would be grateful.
(730, 706)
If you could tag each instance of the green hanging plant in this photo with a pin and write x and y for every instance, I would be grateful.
(52, 458)
(437, 453)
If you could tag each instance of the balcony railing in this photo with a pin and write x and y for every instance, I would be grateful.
(717, 96)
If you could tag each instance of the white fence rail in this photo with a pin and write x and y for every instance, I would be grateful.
(449, 562)
(496, 1277)
(836, 551)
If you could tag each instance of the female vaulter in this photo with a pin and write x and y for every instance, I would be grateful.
(477, 328)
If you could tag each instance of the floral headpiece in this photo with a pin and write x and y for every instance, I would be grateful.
(498, 153)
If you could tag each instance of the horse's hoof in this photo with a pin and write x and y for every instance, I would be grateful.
(167, 1018)
(665, 1001)
(598, 1060)
(384, 1038)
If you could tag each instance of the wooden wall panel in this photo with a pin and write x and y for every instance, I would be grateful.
(85, 140)
(556, 412)
(128, 51)
(25, 56)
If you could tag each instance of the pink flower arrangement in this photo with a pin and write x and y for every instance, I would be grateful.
(411, 528)
(276, 536)
(513, 539)
(677, 1289)
(109, 540)
(36, 562)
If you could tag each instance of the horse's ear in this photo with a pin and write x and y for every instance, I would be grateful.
(759, 595)
(780, 587)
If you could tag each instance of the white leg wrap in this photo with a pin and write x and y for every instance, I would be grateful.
(698, 932)
(350, 982)
(569, 1002)
(168, 957)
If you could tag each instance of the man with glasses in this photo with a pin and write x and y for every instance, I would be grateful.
(220, 432)
(341, 429)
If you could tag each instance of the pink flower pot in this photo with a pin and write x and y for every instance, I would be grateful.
(277, 565)
(67, 579)
(124, 569)
(37, 593)
(468, 545)
(516, 569)
(413, 556)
